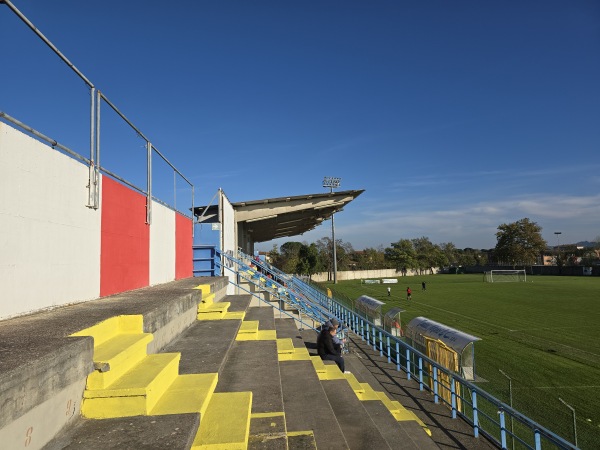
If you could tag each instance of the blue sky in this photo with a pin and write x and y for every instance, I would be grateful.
(455, 117)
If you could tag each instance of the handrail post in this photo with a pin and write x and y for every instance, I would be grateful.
(374, 337)
(91, 194)
(389, 350)
(435, 385)
(380, 343)
(408, 369)
(420, 373)
(502, 428)
(397, 356)
(149, 183)
(475, 414)
(453, 394)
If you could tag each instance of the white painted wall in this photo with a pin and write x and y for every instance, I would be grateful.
(49, 239)
(162, 244)
(366, 274)
(229, 237)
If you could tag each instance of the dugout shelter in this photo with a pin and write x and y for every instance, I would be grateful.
(369, 308)
(450, 347)
(392, 322)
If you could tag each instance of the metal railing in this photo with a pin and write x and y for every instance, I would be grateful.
(487, 415)
(96, 99)
(280, 291)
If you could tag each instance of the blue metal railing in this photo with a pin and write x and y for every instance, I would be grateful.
(278, 287)
(486, 414)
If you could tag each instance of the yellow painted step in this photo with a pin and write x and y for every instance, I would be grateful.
(400, 413)
(354, 383)
(285, 345)
(300, 354)
(368, 393)
(234, 315)
(248, 326)
(205, 288)
(114, 357)
(226, 423)
(333, 372)
(187, 394)
(318, 364)
(214, 307)
(207, 300)
(266, 335)
(135, 393)
(109, 328)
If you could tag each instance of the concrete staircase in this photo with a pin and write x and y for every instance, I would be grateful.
(235, 377)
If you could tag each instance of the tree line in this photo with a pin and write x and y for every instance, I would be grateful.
(517, 244)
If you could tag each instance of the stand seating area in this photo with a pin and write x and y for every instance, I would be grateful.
(183, 365)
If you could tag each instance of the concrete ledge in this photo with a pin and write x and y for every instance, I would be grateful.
(41, 377)
(175, 432)
(38, 360)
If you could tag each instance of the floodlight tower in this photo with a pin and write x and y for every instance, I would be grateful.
(333, 183)
(557, 233)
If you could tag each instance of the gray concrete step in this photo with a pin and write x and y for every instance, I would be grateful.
(358, 427)
(41, 366)
(175, 431)
(205, 344)
(307, 407)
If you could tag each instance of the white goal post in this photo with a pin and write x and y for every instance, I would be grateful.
(499, 276)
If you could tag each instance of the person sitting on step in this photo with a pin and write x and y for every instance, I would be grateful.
(327, 349)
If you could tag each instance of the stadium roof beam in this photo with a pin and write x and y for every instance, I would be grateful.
(273, 218)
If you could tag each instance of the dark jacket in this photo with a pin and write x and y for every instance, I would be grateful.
(325, 345)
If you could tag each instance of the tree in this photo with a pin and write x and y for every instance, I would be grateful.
(308, 260)
(402, 254)
(370, 259)
(519, 242)
(450, 252)
(288, 260)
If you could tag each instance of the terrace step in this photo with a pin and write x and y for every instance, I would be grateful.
(358, 427)
(135, 393)
(116, 356)
(267, 431)
(301, 440)
(213, 311)
(187, 394)
(226, 423)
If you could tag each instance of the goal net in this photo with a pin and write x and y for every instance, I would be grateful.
(499, 276)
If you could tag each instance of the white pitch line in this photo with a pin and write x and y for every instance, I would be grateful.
(554, 387)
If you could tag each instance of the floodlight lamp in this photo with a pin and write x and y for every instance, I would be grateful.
(332, 182)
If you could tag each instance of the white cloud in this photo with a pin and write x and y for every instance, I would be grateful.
(471, 225)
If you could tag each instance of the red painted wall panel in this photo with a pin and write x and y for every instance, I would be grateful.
(183, 247)
(125, 239)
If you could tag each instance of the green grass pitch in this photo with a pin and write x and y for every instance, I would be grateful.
(543, 333)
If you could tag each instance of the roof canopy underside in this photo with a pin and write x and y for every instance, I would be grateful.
(274, 218)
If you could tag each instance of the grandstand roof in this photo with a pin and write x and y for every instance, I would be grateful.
(273, 218)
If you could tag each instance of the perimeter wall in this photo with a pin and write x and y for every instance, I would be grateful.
(54, 250)
(365, 274)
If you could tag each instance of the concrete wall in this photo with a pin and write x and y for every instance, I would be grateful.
(364, 274)
(49, 239)
(229, 235)
(54, 250)
(162, 245)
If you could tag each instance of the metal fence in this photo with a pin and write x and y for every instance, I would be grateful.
(98, 98)
(487, 415)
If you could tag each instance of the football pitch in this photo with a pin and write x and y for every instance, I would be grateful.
(544, 334)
